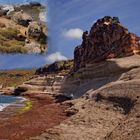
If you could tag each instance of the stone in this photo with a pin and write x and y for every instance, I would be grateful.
(22, 18)
(34, 29)
(3, 12)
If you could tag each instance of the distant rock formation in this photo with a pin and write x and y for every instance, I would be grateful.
(56, 67)
(106, 39)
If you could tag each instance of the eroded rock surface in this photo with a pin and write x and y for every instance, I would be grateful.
(108, 38)
(110, 107)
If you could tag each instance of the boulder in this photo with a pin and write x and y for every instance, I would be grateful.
(34, 30)
(22, 18)
(106, 39)
(3, 12)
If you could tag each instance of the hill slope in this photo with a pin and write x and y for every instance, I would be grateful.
(22, 29)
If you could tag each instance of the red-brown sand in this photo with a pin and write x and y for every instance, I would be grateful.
(44, 114)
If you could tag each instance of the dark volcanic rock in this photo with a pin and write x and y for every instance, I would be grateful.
(106, 39)
(55, 67)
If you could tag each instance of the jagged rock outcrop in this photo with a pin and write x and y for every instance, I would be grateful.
(56, 67)
(106, 39)
(34, 29)
(22, 18)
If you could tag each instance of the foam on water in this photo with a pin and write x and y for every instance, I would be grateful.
(5, 101)
(2, 106)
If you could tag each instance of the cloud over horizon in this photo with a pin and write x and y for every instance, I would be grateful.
(57, 56)
(75, 33)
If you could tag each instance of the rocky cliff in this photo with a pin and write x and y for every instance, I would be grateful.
(109, 108)
(106, 83)
(108, 38)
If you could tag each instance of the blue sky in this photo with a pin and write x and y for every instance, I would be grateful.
(67, 19)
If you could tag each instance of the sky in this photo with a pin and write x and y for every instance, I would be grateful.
(67, 19)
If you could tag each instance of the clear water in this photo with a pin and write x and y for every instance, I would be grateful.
(8, 100)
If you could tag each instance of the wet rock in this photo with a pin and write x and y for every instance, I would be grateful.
(19, 90)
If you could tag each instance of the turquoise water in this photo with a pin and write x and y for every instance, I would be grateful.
(8, 100)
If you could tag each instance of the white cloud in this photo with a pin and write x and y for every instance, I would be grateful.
(75, 33)
(57, 56)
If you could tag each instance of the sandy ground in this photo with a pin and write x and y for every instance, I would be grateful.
(44, 114)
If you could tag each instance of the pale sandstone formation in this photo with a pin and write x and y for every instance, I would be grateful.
(105, 87)
(107, 111)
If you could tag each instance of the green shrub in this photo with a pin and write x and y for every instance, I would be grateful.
(12, 49)
(43, 39)
(10, 33)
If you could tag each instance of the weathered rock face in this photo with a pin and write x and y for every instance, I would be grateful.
(22, 18)
(34, 29)
(110, 107)
(107, 39)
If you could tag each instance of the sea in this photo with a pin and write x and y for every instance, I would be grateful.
(6, 101)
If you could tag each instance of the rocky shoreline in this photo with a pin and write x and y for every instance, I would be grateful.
(105, 93)
(22, 124)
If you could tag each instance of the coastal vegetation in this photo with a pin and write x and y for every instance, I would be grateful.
(27, 106)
